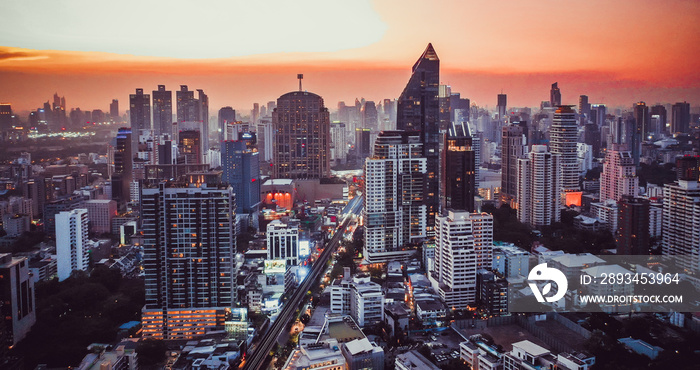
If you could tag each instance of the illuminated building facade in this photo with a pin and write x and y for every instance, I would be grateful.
(190, 144)
(463, 245)
(538, 187)
(619, 175)
(394, 212)
(458, 178)
(162, 111)
(418, 109)
(563, 141)
(302, 127)
(189, 245)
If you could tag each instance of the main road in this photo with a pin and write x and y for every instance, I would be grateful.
(255, 360)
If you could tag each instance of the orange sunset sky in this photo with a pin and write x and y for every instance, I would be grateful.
(241, 52)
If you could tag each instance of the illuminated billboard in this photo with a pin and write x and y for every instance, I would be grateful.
(275, 266)
(304, 248)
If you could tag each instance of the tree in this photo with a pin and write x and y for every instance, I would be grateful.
(151, 352)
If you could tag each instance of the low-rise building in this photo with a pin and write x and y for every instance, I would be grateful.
(479, 355)
(412, 360)
(431, 312)
(318, 356)
(362, 354)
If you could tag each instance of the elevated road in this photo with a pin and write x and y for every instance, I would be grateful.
(255, 360)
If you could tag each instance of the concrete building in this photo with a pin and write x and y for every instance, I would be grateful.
(528, 355)
(283, 242)
(395, 213)
(619, 175)
(538, 187)
(479, 355)
(188, 244)
(563, 141)
(463, 245)
(513, 147)
(681, 223)
(318, 356)
(18, 300)
(302, 137)
(360, 298)
(100, 213)
(511, 261)
(15, 225)
(412, 360)
(72, 243)
(606, 212)
(362, 354)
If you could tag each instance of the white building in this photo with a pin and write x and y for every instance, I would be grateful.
(528, 355)
(283, 242)
(463, 245)
(563, 141)
(585, 157)
(538, 184)
(360, 298)
(656, 218)
(339, 144)
(320, 356)
(511, 261)
(412, 360)
(681, 222)
(606, 212)
(394, 213)
(72, 243)
(480, 356)
(619, 175)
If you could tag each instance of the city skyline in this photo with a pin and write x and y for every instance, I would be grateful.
(608, 53)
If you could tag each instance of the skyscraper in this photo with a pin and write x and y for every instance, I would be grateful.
(227, 115)
(632, 235)
(688, 168)
(463, 245)
(114, 110)
(394, 212)
(163, 111)
(5, 119)
(190, 145)
(660, 111)
(363, 148)
(459, 176)
(72, 243)
(123, 167)
(538, 187)
(444, 117)
(186, 105)
(370, 118)
(418, 110)
(18, 305)
(563, 141)
(302, 137)
(619, 175)
(584, 108)
(502, 106)
(202, 116)
(680, 118)
(642, 118)
(188, 251)
(241, 169)
(513, 147)
(140, 113)
(681, 224)
(555, 95)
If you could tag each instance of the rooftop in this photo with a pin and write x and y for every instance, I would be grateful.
(531, 348)
(577, 260)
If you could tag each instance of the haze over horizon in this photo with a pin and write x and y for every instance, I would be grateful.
(616, 53)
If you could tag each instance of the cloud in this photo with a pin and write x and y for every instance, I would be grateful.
(190, 29)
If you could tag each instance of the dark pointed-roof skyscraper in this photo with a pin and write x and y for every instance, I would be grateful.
(417, 110)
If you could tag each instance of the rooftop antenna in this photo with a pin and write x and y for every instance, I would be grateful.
(300, 76)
